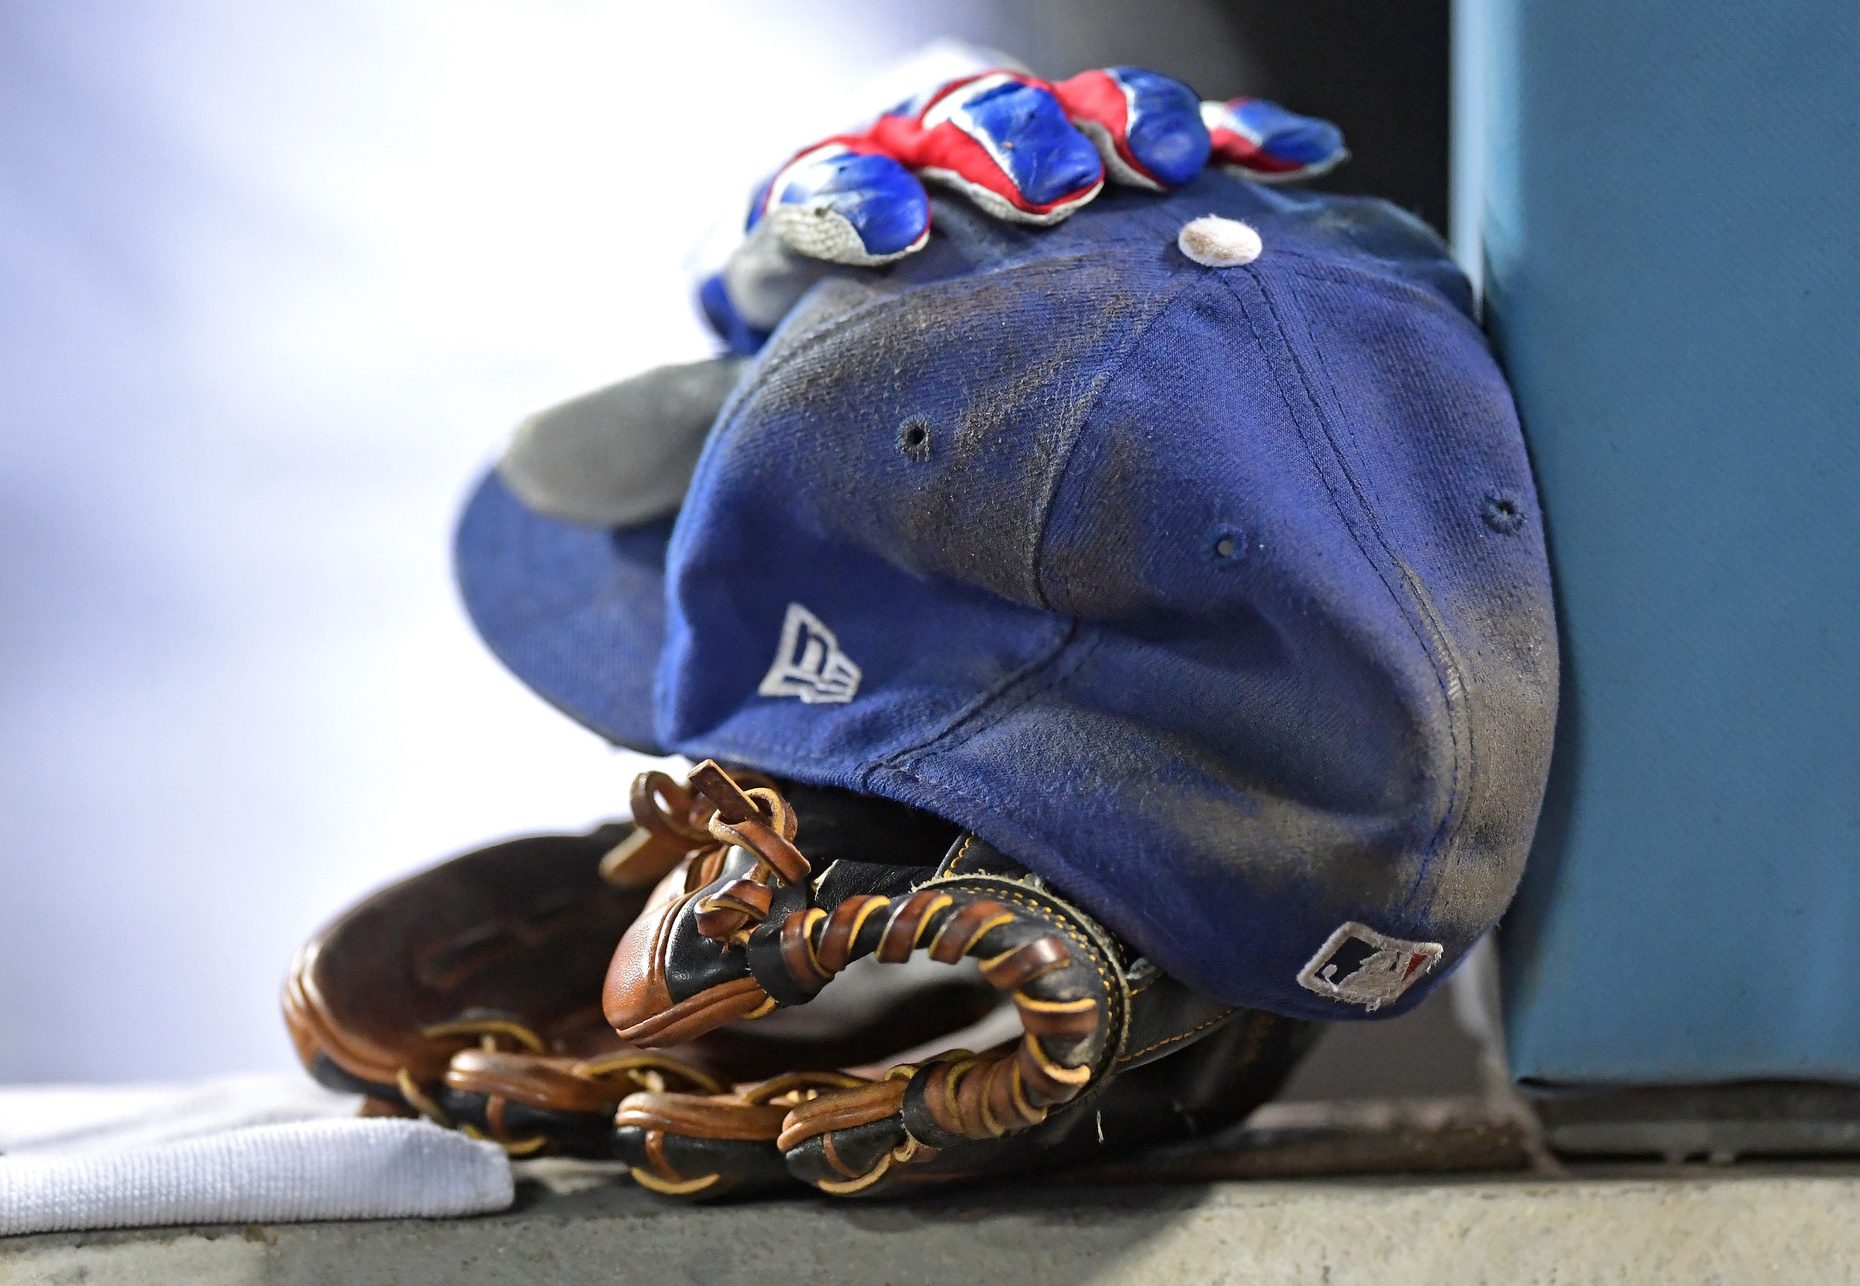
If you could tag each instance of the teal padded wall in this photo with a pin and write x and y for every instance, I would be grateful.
(1663, 201)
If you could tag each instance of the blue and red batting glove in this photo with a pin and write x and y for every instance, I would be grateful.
(1268, 144)
(1023, 149)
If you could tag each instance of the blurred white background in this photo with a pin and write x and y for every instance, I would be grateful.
(274, 281)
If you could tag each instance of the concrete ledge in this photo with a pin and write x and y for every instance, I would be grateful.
(1743, 1226)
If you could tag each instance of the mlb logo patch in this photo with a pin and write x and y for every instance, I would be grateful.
(1358, 966)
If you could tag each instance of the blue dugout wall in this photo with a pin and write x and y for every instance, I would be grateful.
(1663, 202)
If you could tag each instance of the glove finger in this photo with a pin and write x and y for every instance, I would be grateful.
(834, 204)
(760, 281)
(1146, 126)
(622, 455)
(741, 338)
(1269, 144)
(1003, 140)
(845, 201)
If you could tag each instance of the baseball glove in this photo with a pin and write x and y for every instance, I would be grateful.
(488, 994)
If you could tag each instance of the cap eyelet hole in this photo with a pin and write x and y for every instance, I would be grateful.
(1502, 513)
(1228, 547)
(914, 438)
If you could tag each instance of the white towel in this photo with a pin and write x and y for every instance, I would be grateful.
(146, 1156)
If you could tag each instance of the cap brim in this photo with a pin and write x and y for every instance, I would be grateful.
(576, 613)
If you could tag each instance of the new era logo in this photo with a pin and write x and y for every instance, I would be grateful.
(1359, 966)
(809, 664)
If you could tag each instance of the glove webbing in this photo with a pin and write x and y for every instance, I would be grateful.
(1029, 945)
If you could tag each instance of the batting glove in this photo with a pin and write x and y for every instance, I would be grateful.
(1021, 148)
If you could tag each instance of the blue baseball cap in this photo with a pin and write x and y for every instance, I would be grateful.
(1214, 595)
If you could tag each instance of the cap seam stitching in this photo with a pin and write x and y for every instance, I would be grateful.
(792, 346)
(1398, 596)
(1394, 288)
(1446, 835)
(1413, 604)
(1061, 668)
(919, 749)
(1086, 423)
(991, 711)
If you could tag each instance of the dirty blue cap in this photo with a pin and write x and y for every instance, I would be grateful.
(1214, 595)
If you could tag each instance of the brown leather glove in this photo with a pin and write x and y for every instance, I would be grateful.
(473, 994)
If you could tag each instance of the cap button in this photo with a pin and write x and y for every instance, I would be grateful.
(1219, 243)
